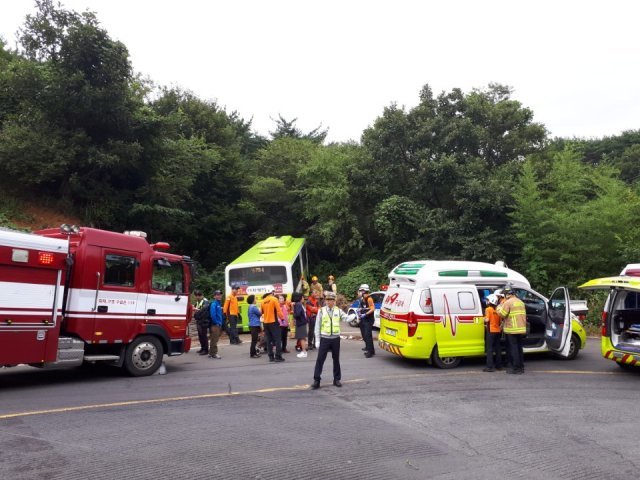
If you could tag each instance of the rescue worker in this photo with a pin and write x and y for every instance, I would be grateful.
(514, 316)
(327, 333)
(494, 332)
(232, 311)
(331, 284)
(313, 306)
(203, 326)
(216, 324)
(303, 287)
(367, 309)
(316, 287)
(271, 314)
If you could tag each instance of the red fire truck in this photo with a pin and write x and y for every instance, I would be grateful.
(74, 295)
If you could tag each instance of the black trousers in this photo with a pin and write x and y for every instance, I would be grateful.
(272, 337)
(494, 349)
(233, 329)
(367, 333)
(514, 342)
(203, 337)
(311, 337)
(255, 331)
(284, 332)
(326, 345)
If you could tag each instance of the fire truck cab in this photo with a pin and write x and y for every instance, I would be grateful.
(75, 295)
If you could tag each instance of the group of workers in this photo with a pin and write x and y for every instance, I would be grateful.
(316, 316)
(505, 314)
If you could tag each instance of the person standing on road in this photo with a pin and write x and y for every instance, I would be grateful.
(514, 315)
(367, 317)
(300, 318)
(494, 332)
(201, 325)
(216, 324)
(313, 306)
(327, 333)
(254, 325)
(232, 311)
(331, 284)
(303, 287)
(316, 287)
(284, 322)
(271, 313)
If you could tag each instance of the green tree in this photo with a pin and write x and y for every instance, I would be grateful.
(572, 221)
(453, 158)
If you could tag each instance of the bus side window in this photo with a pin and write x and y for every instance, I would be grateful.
(296, 273)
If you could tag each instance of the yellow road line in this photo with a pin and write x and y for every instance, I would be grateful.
(267, 390)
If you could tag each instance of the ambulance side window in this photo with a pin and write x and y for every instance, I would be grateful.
(467, 301)
(120, 270)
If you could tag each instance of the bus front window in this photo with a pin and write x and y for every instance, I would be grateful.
(257, 276)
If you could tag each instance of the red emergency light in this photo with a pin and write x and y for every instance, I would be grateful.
(633, 272)
(45, 258)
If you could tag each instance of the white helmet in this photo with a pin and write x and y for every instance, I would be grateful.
(364, 287)
(492, 299)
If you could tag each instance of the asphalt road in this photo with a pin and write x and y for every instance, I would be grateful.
(250, 419)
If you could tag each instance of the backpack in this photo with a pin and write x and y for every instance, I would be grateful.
(203, 316)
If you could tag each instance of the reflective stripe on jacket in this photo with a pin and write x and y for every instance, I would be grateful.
(514, 314)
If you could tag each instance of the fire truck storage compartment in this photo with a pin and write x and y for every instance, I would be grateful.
(27, 314)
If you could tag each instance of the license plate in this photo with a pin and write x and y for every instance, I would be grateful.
(390, 332)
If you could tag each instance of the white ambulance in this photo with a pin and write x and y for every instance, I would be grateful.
(435, 310)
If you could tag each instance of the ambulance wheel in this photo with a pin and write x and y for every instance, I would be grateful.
(626, 366)
(444, 362)
(143, 356)
(574, 347)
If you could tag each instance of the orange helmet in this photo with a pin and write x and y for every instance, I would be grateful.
(314, 279)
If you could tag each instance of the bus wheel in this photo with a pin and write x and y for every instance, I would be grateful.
(444, 362)
(143, 356)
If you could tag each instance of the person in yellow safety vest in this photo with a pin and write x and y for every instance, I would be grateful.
(514, 325)
(327, 332)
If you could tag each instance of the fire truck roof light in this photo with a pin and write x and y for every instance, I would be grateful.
(66, 228)
(136, 233)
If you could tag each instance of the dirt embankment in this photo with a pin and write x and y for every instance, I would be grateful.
(36, 217)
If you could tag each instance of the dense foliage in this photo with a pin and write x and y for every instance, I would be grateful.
(459, 176)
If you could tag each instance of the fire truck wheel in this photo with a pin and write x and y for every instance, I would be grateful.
(143, 356)
(444, 362)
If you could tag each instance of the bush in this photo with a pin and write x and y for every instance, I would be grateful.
(373, 272)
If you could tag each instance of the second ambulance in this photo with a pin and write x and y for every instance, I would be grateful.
(435, 310)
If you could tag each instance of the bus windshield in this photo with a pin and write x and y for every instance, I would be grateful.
(256, 276)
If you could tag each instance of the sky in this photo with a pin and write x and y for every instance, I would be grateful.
(338, 64)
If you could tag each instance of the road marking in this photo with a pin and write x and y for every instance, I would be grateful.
(269, 390)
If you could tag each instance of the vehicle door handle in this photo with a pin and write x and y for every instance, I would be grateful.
(103, 309)
(151, 311)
